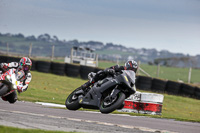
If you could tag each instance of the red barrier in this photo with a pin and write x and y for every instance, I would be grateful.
(150, 108)
(145, 103)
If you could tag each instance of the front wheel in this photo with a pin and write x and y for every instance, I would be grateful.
(108, 105)
(72, 102)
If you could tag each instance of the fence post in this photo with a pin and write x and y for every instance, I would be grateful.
(72, 53)
(97, 63)
(138, 71)
(52, 56)
(189, 74)
(158, 70)
(30, 50)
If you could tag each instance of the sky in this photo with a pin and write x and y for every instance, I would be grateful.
(172, 25)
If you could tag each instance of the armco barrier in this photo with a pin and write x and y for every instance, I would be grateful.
(58, 68)
(85, 70)
(158, 85)
(144, 83)
(173, 87)
(43, 66)
(187, 90)
(72, 70)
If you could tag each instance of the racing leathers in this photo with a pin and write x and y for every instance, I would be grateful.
(6, 66)
(94, 77)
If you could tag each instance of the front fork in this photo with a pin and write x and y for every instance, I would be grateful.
(114, 92)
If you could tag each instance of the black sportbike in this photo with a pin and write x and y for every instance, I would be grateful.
(106, 95)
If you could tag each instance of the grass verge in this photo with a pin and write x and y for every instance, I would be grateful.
(5, 129)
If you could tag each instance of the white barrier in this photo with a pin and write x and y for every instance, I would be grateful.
(145, 103)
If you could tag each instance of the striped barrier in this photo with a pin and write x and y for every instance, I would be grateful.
(132, 103)
(144, 103)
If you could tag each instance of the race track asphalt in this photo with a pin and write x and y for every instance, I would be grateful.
(32, 115)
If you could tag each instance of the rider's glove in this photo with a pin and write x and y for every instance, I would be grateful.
(19, 89)
(91, 75)
(110, 71)
(4, 66)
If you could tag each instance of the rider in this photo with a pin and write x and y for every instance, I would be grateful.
(24, 64)
(94, 77)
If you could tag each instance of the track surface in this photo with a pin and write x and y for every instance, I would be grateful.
(31, 115)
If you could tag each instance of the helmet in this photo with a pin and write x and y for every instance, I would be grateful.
(25, 63)
(131, 65)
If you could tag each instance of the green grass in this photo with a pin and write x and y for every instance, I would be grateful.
(172, 73)
(5, 129)
(46, 87)
(50, 88)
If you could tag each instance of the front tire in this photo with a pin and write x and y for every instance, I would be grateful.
(72, 103)
(115, 105)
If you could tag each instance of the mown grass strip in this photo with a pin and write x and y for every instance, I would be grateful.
(6, 129)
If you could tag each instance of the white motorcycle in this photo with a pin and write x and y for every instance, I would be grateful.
(10, 82)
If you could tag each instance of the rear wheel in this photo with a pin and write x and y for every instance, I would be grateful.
(109, 105)
(12, 98)
(72, 102)
(3, 90)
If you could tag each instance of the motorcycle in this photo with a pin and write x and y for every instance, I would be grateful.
(106, 95)
(10, 81)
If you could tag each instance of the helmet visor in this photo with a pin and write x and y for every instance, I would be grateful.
(26, 68)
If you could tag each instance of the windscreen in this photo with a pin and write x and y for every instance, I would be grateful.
(131, 75)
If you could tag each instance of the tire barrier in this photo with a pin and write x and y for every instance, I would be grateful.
(33, 68)
(3, 59)
(97, 69)
(85, 70)
(58, 68)
(144, 83)
(197, 93)
(13, 59)
(43, 66)
(72, 70)
(173, 87)
(158, 85)
(144, 103)
(187, 90)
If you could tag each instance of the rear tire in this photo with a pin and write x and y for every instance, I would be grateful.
(3, 90)
(12, 98)
(72, 104)
(117, 104)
